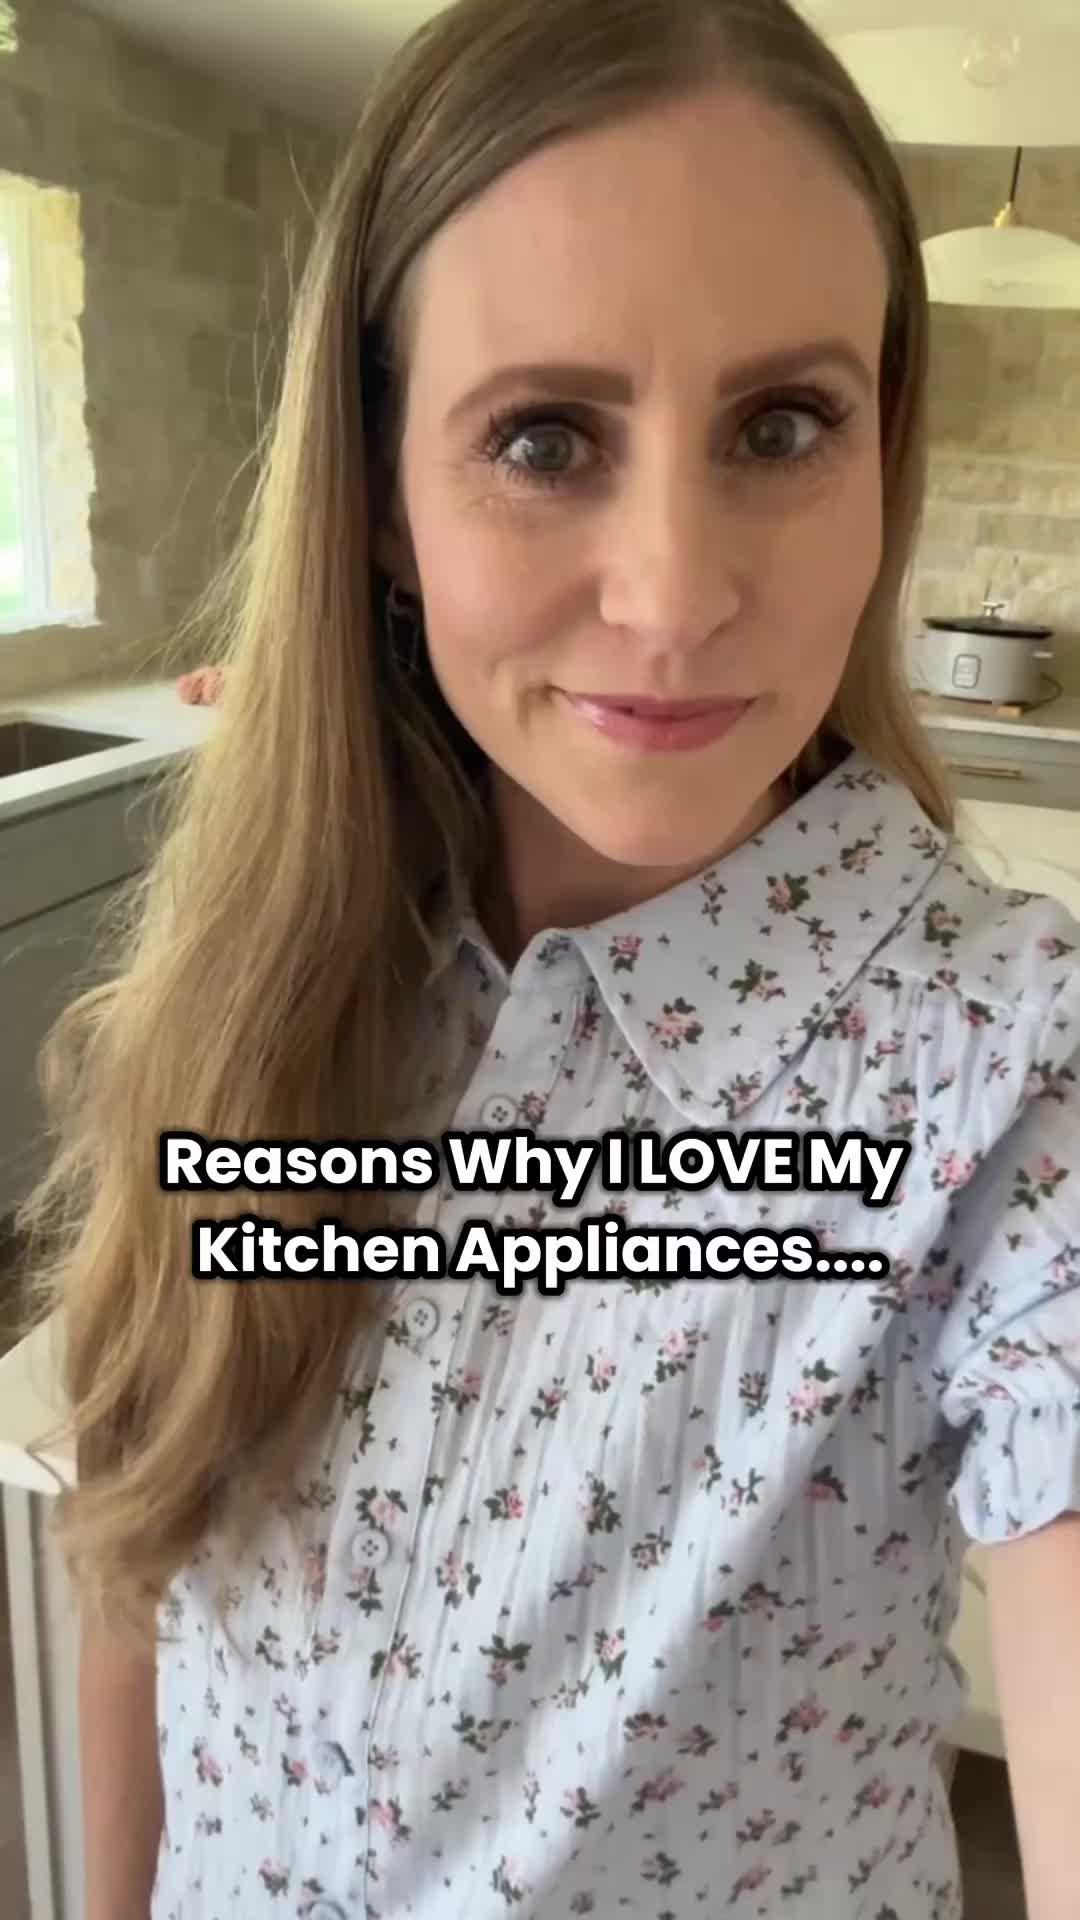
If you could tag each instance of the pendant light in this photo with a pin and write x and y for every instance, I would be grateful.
(1007, 82)
(1004, 264)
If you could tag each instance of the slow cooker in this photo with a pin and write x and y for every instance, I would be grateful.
(982, 657)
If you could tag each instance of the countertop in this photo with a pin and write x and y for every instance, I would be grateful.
(1059, 719)
(149, 713)
(33, 1407)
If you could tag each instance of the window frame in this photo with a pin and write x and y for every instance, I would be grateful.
(16, 230)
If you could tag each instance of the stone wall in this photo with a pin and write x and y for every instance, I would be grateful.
(191, 194)
(1004, 498)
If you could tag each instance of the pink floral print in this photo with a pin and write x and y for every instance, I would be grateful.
(637, 1600)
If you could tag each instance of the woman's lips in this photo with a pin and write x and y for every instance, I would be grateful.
(660, 725)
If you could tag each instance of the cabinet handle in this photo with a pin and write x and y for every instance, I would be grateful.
(986, 773)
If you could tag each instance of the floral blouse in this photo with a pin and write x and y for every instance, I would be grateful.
(636, 1600)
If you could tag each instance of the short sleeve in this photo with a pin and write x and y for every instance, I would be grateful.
(1008, 1355)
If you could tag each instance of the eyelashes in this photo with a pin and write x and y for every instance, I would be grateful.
(829, 410)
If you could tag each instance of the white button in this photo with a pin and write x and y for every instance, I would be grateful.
(499, 1111)
(326, 1910)
(369, 1548)
(329, 1762)
(422, 1318)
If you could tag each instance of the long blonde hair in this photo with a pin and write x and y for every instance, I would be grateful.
(276, 949)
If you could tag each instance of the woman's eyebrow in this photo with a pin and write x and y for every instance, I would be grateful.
(613, 388)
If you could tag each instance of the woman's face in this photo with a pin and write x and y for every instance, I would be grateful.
(643, 551)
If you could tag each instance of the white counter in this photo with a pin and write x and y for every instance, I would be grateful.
(31, 1408)
(1059, 719)
(150, 713)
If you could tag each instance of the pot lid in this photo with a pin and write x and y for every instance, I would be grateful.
(986, 623)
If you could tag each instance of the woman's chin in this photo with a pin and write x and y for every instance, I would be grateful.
(650, 846)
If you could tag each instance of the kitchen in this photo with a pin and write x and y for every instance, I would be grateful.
(152, 186)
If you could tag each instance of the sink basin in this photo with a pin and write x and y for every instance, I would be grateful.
(26, 745)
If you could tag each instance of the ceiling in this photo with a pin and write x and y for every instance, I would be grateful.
(317, 57)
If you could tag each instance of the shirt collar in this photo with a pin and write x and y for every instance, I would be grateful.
(719, 983)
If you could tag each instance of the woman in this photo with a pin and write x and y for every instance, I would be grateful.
(565, 781)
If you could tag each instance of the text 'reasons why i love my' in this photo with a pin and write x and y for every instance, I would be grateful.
(598, 1246)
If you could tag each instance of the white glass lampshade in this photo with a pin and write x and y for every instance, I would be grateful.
(1014, 85)
(1005, 266)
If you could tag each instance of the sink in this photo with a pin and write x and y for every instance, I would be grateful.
(26, 745)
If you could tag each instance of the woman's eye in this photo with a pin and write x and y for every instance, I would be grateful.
(542, 452)
(549, 451)
(775, 436)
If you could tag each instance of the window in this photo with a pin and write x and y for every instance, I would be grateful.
(46, 463)
(23, 579)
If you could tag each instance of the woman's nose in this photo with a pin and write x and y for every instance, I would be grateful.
(670, 575)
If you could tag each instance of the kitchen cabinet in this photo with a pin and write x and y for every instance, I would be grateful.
(61, 872)
(45, 1640)
(1017, 769)
(42, 962)
(57, 853)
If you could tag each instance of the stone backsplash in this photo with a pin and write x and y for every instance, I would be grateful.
(191, 195)
(1003, 508)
